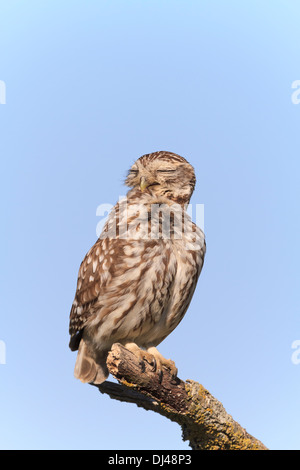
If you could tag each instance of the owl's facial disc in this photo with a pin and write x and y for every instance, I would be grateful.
(163, 176)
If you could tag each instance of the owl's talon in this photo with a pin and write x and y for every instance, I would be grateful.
(175, 375)
(162, 362)
(154, 364)
(173, 369)
(150, 359)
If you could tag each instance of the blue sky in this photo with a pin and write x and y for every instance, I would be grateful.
(90, 87)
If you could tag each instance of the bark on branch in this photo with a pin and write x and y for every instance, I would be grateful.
(203, 419)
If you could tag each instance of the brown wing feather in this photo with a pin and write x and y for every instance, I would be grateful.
(87, 293)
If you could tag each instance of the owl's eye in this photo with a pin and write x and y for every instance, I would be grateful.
(133, 172)
(166, 171)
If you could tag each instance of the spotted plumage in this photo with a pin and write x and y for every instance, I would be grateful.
(135, 284)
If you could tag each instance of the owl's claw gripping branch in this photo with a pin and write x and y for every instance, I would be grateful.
(153, 357)
(161, 362)
(139, 353)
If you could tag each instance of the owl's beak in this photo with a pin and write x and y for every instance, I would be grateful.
(144, 183)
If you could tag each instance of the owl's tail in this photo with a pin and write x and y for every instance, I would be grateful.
(87, 369)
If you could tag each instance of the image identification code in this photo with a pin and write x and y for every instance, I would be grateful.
(155, 459)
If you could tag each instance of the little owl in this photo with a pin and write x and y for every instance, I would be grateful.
(136, 283)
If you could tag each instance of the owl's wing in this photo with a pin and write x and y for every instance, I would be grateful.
(90, 278)
(104, 261)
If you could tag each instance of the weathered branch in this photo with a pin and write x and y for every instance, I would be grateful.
(203, 419)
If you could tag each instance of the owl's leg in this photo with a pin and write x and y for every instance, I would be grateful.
(161, 361)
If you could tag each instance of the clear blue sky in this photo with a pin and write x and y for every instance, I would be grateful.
(90, 87)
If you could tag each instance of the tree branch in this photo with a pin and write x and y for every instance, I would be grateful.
(203, 419)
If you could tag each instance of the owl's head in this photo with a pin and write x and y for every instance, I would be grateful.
(163, 174)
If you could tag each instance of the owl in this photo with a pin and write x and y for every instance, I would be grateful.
(136, 282)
